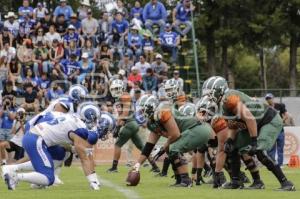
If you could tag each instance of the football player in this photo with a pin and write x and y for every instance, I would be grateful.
(252, 128)
(128, 127)
(183, 134)
(43, 135)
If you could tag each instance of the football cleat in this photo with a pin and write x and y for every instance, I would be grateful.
(244, 178)
(184, 183)
(112, 170)
(57, 181)
(287, 186)
(257, 184)
(233, 185)
(11, 180)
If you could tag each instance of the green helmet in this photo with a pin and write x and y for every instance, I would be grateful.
(215, 87)
(188, 109)
(208, 107)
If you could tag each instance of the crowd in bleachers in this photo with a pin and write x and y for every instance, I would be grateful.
(43, 52)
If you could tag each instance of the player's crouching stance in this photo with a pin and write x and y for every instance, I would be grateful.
(184, 134)
(55, 129)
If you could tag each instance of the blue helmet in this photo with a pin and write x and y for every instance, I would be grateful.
(66, 103)
(77, 92)
(89, 113)
(106, 124)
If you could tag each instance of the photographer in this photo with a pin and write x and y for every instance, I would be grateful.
(7, 115)
(18, 130)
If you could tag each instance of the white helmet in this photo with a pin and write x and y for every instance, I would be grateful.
(90, 113)
(77, 92)
(188, 109)
(172, 88)
(208, 107)
(106, 124)
(148, 104)
(116, 88)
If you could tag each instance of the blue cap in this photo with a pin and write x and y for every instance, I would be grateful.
(269, 96)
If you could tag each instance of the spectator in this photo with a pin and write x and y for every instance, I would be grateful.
(75, 22)
(61, 25)
(150, 82)
(40, 59)
(71, 35)
(12, 24)
(279, 144)
(72, 49)
(103, 28)
(70, 68)
(30, 99)
(29, 77)
(24, 54)
(83, 9)
(119, 29)
(7, 115)
(88, 48)
(134, 42)
(148, 46)
(160, 68)
(7, 53)
(126, 63)
(53, 93)
(52, 35)
(142, 65)
(43, 84)
(104, 55)
(64, 9)
(154, 13)
(20, 39)
(40, 12)
(169, 42)
(45, 22)
(182, 16)
(90, 27)
(3, 73)
(178, 79)
(14, 71)
(121, 9)
(27, 25)
(56, 53)
(86, 67)
(6, 37)
(17, 133)
(39, 37)
(135, 77)
(25, 10)
(8, 90)
(137, 11)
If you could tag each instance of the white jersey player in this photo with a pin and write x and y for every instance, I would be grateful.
(53, 129)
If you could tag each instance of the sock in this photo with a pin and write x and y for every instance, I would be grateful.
(278, 174)
(33, 178)
(255, 175)
(166, 165)
(206, 167)
(153, 164)
(57, 163)
(199, 174)
(194, 171)
(26, 166)
(115, 164)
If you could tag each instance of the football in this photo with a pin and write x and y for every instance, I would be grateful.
(133, 178)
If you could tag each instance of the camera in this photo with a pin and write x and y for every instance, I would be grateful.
(7, 102)
(21, 115)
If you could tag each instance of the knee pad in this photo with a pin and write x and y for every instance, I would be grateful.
(177, 159)
(263, 157)
(250, 164)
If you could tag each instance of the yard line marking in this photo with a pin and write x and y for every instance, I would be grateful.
(126, 192)
(129, 194)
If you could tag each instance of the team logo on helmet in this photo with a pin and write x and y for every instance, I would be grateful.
(77, 93)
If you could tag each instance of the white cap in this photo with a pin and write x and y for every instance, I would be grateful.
(135, 28)
(10, 14)
(134, 68)
(158, 56)
(21, 110)
(122, 72)
(71, 27)
(85, 55)
(86, 3)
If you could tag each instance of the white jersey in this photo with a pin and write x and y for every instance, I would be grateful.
(17, 138)
(54, 128)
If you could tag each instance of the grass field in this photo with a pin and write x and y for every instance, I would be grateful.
(150, 187)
